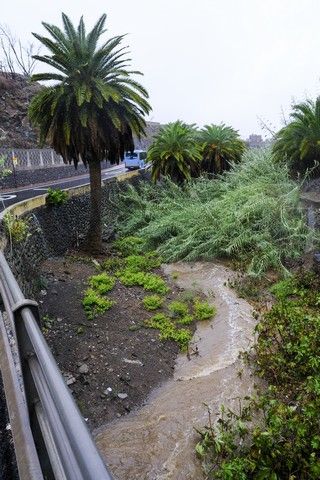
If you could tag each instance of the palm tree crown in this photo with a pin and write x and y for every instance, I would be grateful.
(95, 107)
(298, 143)
(175, 152)
(222, 146)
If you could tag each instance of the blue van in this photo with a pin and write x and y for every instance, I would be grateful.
(135, 160)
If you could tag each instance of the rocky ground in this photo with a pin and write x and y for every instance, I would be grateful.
(112, 363)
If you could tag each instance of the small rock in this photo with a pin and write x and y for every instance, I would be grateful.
(122, 396)
(134, 362)
(43, 292)
(107, 391)
(83, 368)
(118, 415)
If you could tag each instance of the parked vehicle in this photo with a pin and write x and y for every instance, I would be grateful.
(135, 160)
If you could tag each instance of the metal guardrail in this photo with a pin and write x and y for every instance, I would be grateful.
(51, 439)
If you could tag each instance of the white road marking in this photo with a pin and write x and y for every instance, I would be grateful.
(5, 197)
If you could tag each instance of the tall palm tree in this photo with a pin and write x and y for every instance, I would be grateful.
(94, 107)
(222, 146)
(175, 152)
(298, 143)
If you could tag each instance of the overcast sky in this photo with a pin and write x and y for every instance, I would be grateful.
(204, 61)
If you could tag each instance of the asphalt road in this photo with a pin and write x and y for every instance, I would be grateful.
(17, 195)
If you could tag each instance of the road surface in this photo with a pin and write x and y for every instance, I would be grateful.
(17, 195)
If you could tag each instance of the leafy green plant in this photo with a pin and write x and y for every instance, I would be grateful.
(251, 214)
(148, 281)
(203, 311)
(102, 283)
(152, 302)
(113, 264)
(47, 323)
(147, 262)
(169, 331)
(185, 320)
(94, 304)
(275, 435)
(16, 227)
(56, 196)
(4, 172)
(178, 308)
(129, 246)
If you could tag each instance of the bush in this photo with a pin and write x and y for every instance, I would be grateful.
(148, 281)
(203, 311)
(152, 302)
(56, 196)
(275, 435)
(129, 246)
(16, 227)
(94, 304)
(102, 283)
(251, 214)
(178, 309)
(168, 330)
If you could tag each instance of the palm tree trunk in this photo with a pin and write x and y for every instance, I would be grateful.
(94, 235)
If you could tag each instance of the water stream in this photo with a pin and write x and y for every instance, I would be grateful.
(157, 441)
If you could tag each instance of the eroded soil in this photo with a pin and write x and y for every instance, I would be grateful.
(111, 363)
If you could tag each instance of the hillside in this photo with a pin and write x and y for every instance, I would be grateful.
(15, 128)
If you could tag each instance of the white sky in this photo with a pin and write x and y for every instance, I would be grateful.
(204, 61)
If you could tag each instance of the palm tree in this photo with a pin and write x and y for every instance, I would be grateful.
(175, 152)
(222, 146)
(298, 143)
(94, 107)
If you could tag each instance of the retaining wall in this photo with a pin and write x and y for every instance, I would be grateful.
(54, 230)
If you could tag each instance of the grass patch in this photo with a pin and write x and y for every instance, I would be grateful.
(148, 281)
(169, 331)
(152, 302)
(178, 309)
(129, 246)
(94, 304)
(203, 311)
(102, 283)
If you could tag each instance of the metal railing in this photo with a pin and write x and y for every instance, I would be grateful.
(51, 439)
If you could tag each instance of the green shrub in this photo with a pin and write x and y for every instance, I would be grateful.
(56, 196)
(129, 246)
(203, 311)
(251, 214)
(168, 330)
(137, 263)
(275, 435)
(178, 309)
(185, 320)
(16, 227)
(152, 302)
(148, 281)
(102, 283)
(111, 265)
(94, 304)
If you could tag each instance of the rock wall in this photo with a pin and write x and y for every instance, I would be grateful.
(54, 230)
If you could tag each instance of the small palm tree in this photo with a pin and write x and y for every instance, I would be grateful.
(298, 143)
(93, 109)
(222, 146)
(175, 152)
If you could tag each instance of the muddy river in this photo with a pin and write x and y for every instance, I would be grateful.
(157, 441)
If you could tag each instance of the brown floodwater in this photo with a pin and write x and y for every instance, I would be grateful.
(157, 441)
